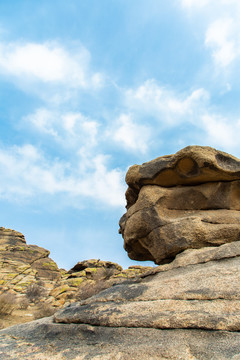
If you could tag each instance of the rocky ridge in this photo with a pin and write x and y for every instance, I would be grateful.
(188, 307)
(23, 265)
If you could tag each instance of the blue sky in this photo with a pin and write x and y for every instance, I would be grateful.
(88, 88)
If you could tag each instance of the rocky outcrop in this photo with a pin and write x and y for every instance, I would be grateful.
(187, 200)
(89, 276)
(22, 264)
(200, 289)
(188, 309)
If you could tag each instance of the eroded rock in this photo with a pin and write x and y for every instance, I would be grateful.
(200, 290)
(22, 264)
(187, 200)
(188, 309)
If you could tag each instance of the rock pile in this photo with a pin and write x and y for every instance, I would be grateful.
(184, 208)
(22, 265)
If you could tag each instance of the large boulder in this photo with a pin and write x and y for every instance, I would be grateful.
(199, 289)
(187, 200)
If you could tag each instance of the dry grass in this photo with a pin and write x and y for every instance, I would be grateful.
(35, 292)
(44, 310)
(7, 304)
(23, 303)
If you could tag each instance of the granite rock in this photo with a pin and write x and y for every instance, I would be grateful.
(188, 309)
(187, 200)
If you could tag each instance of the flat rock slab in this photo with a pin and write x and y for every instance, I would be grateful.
(189, 310)
(45, 340)
(203, 295)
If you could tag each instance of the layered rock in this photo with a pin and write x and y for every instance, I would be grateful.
(89, 273)
(22, 264)
(200, 289)
(187, 200)
(188, 309)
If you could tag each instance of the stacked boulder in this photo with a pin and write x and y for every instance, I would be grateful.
(187, 200)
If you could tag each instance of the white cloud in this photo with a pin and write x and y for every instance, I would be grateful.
(194, 3)
(130, 135)
(166, 106)
(220, 131)
(215, 4)
(220, 37)
(70, 129)
(219, 22)
(26, 173)
(48, 63)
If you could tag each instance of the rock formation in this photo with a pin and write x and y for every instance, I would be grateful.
(23, 266)
(187, 308)
(187, 200)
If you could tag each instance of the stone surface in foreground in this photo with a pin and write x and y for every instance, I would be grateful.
(203, 295)
(45, 340)
(188, 309)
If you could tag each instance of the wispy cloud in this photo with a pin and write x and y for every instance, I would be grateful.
(194, 3)
(165, 105)
(131, 135)
(221, 39)
(28, 172)
(221, 132)
(220, 23)
(70, 129)
(48, 68)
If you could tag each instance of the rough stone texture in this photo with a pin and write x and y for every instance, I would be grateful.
(191, 165)
(203, 293)
(187, 200)
(45, 340)
(187, 310)
(22, 264)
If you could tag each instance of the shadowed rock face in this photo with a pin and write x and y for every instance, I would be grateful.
(187, 200)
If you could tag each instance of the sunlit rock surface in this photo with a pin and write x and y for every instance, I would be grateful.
(187, 200)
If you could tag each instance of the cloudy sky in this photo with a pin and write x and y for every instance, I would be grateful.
(88, 88)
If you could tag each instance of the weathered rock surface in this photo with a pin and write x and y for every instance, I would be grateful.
(202, 293)
(187, 200)
(191, 165)
(22, 264)
(188, 309)
(46, 340)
